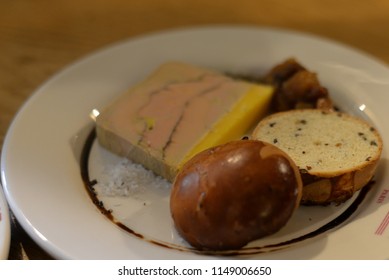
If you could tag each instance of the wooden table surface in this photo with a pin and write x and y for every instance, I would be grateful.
(40, 37)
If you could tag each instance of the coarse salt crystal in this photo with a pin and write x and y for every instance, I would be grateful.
(127, 178)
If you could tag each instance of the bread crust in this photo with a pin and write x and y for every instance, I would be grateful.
(322, 187)
(337, 189)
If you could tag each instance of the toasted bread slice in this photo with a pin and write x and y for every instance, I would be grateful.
(337, 154)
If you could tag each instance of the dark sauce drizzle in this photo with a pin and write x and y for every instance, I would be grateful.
(89, 185)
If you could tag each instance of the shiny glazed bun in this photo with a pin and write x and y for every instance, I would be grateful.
(234, 193)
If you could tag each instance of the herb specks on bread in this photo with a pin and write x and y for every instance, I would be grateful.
(325, 145)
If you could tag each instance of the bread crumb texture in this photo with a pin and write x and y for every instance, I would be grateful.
(322, 142)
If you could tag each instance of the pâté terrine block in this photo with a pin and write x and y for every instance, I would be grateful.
(178, 111)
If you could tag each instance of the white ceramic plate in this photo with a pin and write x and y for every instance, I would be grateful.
(5, 228)
(41, 156)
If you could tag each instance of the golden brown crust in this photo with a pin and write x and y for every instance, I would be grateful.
(337, 189)
(296, 87)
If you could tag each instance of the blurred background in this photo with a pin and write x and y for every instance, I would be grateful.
(40, 37)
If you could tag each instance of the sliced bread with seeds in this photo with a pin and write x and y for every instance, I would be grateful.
(337, 153)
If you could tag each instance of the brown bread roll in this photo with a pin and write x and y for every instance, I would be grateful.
(231, 194)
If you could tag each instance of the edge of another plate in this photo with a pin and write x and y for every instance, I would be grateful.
(5, 227)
